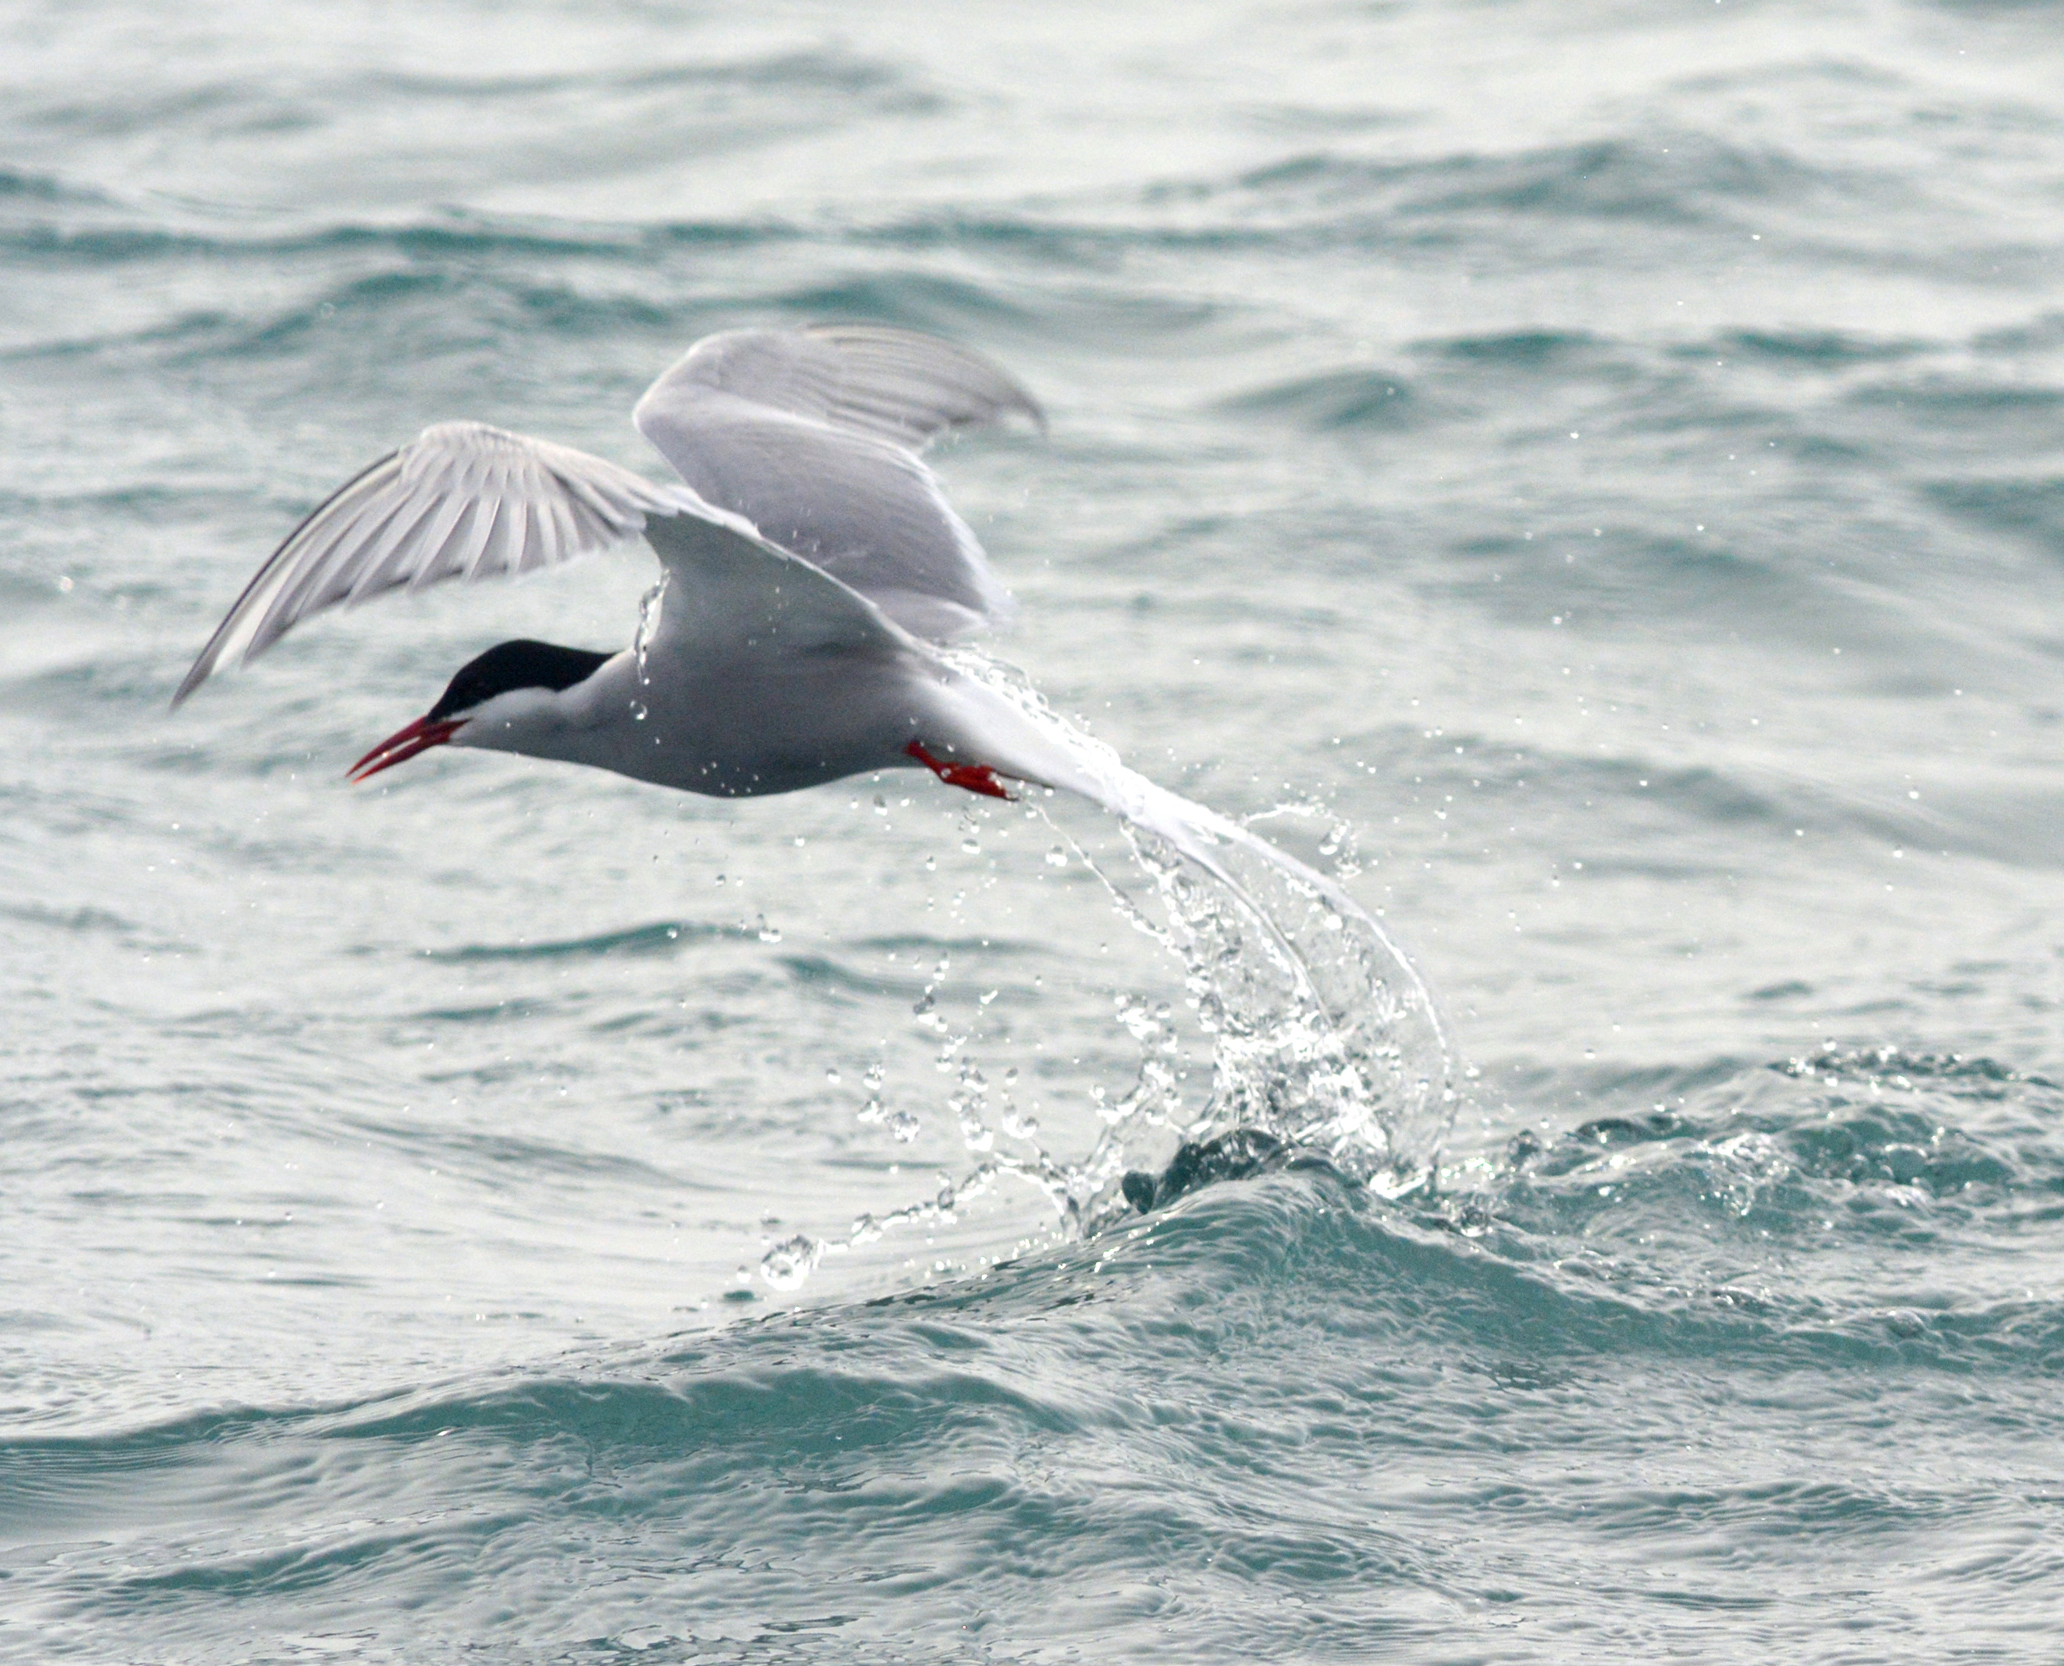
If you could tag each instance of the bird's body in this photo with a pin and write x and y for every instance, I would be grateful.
(742, 726)
(741, 715)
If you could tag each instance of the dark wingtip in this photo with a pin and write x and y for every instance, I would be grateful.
(194, 678)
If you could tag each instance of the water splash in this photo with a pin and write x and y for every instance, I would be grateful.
(1323, 1034)
(1323, 1038)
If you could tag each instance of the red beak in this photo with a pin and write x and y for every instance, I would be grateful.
(404, 744)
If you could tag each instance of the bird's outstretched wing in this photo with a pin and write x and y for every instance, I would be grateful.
(894, 384)
(812, 434)
(461, 500)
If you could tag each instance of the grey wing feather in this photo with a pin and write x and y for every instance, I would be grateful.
(894, 384)
(812, 434)
(462, 500)
(728, 585)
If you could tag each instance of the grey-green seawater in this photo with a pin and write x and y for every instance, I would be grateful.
(1590, 475)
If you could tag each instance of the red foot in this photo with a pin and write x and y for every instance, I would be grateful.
(976, 778)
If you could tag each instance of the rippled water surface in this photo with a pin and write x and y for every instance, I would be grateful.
(1589, 477)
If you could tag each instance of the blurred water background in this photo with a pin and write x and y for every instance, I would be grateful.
(1588, 475)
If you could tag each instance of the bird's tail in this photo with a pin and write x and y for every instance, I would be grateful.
(1350, 1053)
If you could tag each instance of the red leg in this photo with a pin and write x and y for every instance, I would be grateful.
(975, 778)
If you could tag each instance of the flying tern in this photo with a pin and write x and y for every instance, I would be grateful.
(813, 579)
(812, 575)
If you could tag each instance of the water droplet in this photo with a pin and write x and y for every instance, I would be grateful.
(1057, 857)
(648, 622)
(788, 1263)
(640, 711)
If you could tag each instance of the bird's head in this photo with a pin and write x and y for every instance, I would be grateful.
(497, 696)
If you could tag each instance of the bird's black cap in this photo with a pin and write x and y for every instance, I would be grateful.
(510, 665)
